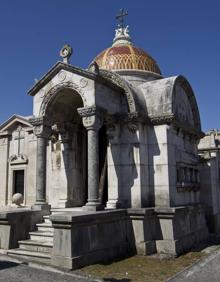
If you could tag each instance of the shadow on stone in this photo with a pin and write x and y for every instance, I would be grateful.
(7, 264)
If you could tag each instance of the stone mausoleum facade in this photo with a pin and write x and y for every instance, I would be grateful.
(113, 148)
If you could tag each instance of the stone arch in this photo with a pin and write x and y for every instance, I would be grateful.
(51, 94)
(121, 82)
(182, 82)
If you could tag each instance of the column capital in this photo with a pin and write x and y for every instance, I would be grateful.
(41, 126)
(92, 117)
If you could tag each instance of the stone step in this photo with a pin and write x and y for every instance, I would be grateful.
(41, 236)
(30, 255)
(36, 246)
(45, 227)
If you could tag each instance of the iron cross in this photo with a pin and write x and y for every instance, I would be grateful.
(120, 17)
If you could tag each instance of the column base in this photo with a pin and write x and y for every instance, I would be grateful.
(93, 207)
(113, 204)
(44, 207)
(65, 203)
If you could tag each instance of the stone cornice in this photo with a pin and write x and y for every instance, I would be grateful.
(90, 111)
(162, 119)
(42, 120)
(63, 66)
(172, 119)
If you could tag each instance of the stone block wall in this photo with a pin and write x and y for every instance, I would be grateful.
(85, 238)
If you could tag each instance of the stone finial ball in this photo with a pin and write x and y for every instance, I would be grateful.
(17, 199)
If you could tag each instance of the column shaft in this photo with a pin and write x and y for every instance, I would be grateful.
(41, 170)
(93, 167)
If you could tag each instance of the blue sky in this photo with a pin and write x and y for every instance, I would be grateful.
(183, 37)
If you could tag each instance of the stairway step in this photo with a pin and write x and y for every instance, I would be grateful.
(41, 236)
(29, 255)
(45, 227)
(36, 246)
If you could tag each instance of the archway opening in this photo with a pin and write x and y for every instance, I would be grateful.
(67, 155)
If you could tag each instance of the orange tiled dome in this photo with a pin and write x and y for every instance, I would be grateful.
(126, 57)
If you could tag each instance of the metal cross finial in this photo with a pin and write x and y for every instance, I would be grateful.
(120, 18)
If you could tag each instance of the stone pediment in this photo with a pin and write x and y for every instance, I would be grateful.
(58, 67)
(9, 124)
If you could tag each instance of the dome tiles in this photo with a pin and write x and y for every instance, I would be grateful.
(126, 56)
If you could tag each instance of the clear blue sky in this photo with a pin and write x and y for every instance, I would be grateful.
(183, 37)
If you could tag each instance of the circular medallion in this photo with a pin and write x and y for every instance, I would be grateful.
(61, 76)
(83, 82)
(66, 51)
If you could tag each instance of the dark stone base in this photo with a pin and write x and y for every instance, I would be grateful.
(103, 255)
(44, 208)
(97, 207)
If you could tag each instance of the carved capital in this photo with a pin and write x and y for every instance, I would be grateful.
(41, 126)
(92, 117)
(42, 131)
(132, 120)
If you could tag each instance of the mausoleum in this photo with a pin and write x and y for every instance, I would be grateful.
(109, 152)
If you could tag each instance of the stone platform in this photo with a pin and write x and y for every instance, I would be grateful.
(72, 238)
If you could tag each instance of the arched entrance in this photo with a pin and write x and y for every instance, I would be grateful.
(67, 166)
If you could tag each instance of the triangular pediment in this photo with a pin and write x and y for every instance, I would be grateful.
(12, 121)
(54, 71)
(59, 66)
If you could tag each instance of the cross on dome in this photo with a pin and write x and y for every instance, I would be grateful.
(122, 32)
(120, 18)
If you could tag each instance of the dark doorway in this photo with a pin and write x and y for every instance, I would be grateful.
(19, 181)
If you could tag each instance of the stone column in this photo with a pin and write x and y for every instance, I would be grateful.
(92, 120)
(42, 131)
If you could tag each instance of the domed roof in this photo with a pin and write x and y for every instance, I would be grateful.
(123, 55)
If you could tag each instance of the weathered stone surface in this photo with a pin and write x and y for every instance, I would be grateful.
(86, 237)
(15, 225)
